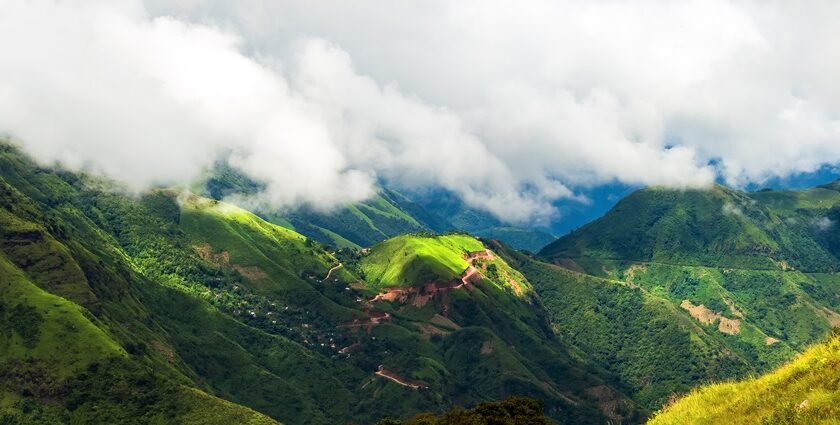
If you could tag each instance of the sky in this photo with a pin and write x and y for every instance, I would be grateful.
(527, 110)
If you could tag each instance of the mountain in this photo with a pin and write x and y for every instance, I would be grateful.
(387, 214)
(720, 227)
(362, 224)
(804, 391)
(172, 307)
(755, 273)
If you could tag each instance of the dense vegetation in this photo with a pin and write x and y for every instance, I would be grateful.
(635, 335)
(804, 391)
(169, 307)
(512, 411)
(755, 275)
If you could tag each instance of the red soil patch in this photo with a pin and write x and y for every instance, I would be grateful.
(706, 316)
(205, 251)
(251, 273)
(487, 347)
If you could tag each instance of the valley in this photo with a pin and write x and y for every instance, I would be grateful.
(229, 312)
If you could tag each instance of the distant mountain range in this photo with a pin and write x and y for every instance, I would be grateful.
(177, 307)
(389, 213)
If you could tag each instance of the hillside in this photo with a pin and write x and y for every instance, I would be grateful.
(183, 307)
(719, 227)
(467, 301)
(634, 334)
(362, 224)
(756, 273)
(387, 214)
(804, 391)
(407, 260)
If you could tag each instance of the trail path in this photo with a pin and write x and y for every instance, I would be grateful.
(329, 273)
(388, 375)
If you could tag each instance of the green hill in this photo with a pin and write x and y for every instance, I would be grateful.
(481, 327)
(365, 223)
(756, 273)
(409, 260)
(172, 308)
(634, 334)
(719, 227)
(361, 224)
(804, 391)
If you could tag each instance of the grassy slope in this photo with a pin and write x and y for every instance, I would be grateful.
(410, 260)
(804, 391)
(47, 329)
(62, 250)
(54, 349)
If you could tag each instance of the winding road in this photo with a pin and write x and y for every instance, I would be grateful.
(388, 375)
(329, 273)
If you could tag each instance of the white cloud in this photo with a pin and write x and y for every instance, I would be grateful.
(731, 209)
(823, 224)
(509, 105)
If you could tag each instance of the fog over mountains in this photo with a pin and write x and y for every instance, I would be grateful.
(511, 107)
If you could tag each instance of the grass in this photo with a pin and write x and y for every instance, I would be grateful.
(417, 259)
(804, 391)
(43, 328)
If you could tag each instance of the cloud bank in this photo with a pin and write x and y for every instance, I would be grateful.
(509, 106)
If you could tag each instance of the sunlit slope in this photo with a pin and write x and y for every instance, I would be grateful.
(417, 259)
(87, 338)
(718, 227)
(43, 328)
(804, 391)
(361, 224)
(74, 359)
(264, 253)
